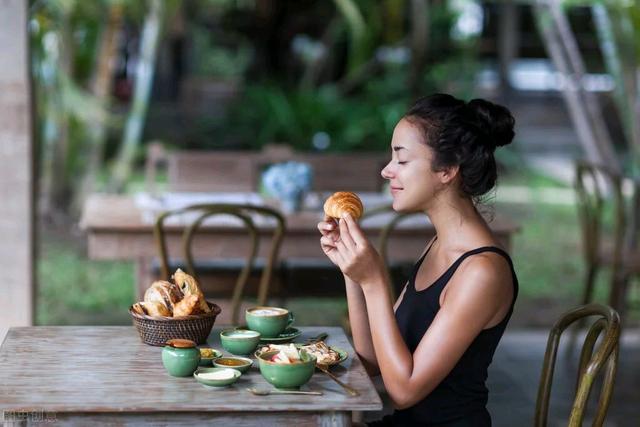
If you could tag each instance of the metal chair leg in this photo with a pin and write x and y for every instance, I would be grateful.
(587, 296)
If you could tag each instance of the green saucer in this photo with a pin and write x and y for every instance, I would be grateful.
(287, 335)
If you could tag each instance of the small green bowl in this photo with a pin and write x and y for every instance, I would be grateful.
(206, 361)
(239, 341)
(216, 382)
(286, 376)
(241, 364)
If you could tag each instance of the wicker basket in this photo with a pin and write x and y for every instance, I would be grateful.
(158, 330)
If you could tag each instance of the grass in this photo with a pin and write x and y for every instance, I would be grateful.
(547, 255)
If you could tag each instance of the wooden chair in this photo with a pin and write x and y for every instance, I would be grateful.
(593, 183)
(383, 238)
(606, 356)
(245, 214)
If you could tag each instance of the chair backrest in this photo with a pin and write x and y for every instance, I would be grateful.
(607, 324)
(211, 171)
(593, 184)
(383, 240)
(245, 213)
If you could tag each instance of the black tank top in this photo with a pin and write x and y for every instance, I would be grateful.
(461, 398)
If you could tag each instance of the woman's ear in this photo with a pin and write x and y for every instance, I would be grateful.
(447, 175)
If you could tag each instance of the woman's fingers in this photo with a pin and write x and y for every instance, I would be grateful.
(354, 230)
(345, 236)
(326, 227)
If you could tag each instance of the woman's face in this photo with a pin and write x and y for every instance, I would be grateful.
(413, 183)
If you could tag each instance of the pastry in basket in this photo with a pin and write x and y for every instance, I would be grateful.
(189, 286)
(343, 202)
(165, 293)
(152, 308)
(167, 299)
(187, 306)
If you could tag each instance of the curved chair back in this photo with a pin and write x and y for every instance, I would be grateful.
(243, 212)
(593, 183)
(606, 356)
(385, 234)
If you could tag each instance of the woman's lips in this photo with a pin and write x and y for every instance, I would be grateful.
(395, 189)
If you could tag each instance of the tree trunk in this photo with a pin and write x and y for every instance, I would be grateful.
(419, 43)
(144, 78)
(101, 86)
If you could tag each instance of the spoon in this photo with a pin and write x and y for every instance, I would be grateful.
(266, 391)
(348, 389)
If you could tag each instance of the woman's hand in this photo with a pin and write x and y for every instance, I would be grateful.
(330, 235)
(348, 248)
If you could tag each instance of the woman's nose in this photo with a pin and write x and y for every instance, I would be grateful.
(386, 172)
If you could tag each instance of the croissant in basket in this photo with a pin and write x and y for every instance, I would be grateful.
(167, 299)
(343, 202)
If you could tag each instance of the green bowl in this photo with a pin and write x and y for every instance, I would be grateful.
(239, 341)
(216, 382)
(241, 364)
(207, 361)
(286, 376)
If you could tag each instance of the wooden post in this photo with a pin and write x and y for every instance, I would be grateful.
(508, 41)
(16, 158)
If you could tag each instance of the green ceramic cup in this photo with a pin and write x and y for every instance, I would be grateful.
(239, 341)
(180, 357)
(286, 376)
(269, 321)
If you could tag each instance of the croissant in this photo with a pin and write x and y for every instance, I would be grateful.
(140, 308)
(156, 308)
(188, 305)
(165, 293)
(343, 202)
(189, 286)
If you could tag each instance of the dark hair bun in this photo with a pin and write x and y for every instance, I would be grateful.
(465, 135)
(497, 121)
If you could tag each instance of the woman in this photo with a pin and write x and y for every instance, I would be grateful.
(433, 347)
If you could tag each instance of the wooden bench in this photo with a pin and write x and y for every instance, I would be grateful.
(220, 171)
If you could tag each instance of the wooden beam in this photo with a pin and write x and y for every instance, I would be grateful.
(16, 158)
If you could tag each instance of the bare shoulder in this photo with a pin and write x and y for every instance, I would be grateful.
(483, 281)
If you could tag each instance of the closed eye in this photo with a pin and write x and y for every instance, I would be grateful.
(402, 163)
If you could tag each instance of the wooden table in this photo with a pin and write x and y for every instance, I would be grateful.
(117, 230)
(85, 375)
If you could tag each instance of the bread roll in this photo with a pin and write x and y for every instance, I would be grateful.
(165, 293)
(343, 202)
(188, 305)
(189, 286)
(140, 308)
(156, 308)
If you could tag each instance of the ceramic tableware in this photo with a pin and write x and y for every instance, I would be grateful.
(289, 376)
(180, 357)
(216, 377)
(269, 321)
(239, 341)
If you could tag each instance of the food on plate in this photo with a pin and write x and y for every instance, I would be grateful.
(167, 299)
(324, 354)
(207, 353)
(223, 374)
(189, 286)
(287, 354)
(343, 202)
